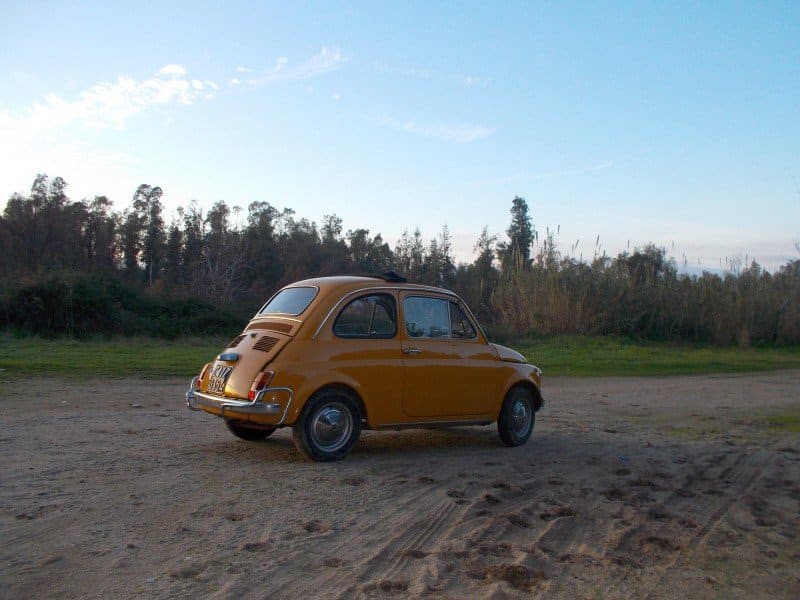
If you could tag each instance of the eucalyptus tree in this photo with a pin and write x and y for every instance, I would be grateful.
(99, 229)
(262, 268)
(409, 254)
(148, 206)
(366, 254)
(223, 255)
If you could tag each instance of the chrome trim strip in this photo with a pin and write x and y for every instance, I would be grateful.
(261, 393)
(195, 400)
(430, 424)
(394, 288)
(276, 317)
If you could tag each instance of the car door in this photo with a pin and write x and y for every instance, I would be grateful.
(367, 351)
(450, 372)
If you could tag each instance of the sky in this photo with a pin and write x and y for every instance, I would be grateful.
(621, 123)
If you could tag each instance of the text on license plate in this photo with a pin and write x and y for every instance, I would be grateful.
(216, 381)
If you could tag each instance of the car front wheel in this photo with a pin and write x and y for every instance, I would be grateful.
(328, 426)
(517, 417)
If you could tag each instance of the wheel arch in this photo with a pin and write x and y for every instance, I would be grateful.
(343, 387)
(534, 390)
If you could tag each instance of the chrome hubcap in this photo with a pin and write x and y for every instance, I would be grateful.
(331, 426)
(520, 417)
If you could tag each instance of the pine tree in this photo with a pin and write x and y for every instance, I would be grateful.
(516, 253)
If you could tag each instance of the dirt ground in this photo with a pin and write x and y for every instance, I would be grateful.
(630, 487)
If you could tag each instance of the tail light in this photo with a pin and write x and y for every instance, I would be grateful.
(259, 383)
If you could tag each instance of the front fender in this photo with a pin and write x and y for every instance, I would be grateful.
(526, 375)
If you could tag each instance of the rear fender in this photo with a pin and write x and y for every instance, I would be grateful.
(309, 387)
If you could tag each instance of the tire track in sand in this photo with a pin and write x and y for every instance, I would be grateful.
(665, 532)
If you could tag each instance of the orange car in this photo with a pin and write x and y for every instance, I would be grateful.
(333, 355)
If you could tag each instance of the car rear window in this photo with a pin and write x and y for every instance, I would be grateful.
(290, 301)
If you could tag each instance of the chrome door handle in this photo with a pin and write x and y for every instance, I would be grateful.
(412, 351)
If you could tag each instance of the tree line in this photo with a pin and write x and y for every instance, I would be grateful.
(79, 267)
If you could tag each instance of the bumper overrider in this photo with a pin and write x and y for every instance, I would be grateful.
(228, 407)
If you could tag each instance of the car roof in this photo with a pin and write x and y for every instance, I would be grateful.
(348, 283)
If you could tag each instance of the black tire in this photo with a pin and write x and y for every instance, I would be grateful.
(329, 426)
(517, 417)
(251, 434)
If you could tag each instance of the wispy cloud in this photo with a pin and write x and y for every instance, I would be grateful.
(173, 69)
(325, 61)
(109, 104)
(473, 81)
(458, 133)
(421, 73)
(414, 72)
(88, 169)
(546, 174)
(60, 133)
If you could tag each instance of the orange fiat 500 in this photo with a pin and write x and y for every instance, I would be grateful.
(333, 355)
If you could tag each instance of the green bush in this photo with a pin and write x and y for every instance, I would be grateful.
(81, 306)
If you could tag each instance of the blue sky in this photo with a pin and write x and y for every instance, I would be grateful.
(671, 123)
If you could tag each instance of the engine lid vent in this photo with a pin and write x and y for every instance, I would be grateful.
(265, 344)
(235, 341)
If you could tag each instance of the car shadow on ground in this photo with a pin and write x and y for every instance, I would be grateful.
(408, 443)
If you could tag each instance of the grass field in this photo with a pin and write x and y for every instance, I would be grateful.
(575, 356)
(119, 357)
(597, 356)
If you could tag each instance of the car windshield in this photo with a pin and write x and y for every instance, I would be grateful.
(290, 301)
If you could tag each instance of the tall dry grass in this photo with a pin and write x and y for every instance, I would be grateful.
(642, 295)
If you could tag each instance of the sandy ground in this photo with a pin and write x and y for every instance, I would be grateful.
(658, 487)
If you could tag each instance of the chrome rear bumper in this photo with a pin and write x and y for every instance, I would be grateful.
(196, 400)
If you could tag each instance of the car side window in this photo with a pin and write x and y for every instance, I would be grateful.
(426, 317)
(367, 317)
(460, 325)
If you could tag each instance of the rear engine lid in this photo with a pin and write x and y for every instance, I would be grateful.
(248, 354)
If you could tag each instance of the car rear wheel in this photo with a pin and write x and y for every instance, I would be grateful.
(251, 434)
(517, 417)
(328, 426)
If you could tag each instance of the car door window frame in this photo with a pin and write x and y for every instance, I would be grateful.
(465, 320)
(369, 336)
(465, 317)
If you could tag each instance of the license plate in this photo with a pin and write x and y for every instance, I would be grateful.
(216, 382)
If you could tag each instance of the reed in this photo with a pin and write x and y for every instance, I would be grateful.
(641, 295)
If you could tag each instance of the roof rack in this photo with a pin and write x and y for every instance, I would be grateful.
(392, 277)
